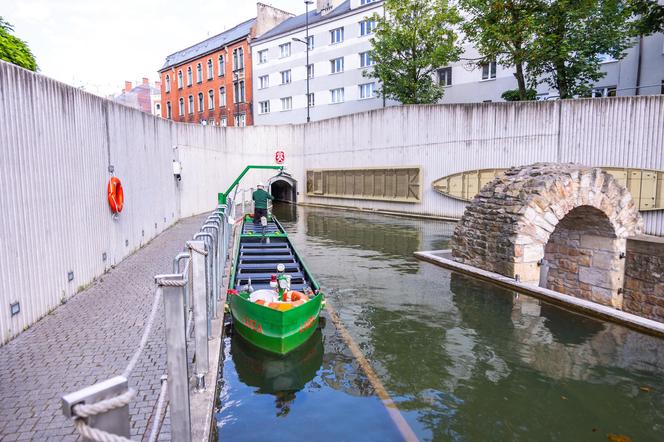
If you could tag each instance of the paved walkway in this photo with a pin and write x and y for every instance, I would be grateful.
(87, 340)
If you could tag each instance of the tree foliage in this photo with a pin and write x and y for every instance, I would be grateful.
(504, 31)
(13, 49)
(412, 40)
(573, 37)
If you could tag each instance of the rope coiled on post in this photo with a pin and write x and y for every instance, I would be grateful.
(85, 411)
(172, 283)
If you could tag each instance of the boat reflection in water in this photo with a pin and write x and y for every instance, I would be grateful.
(281, 376)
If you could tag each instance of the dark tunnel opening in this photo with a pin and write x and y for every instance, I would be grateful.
(283, 191)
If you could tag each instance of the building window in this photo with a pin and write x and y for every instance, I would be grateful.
(199, 73)
(608, 91)
(367, 27)
(238, 59)
(489, 71)
(366, 2)
(262, 56)
(337, 65)
(284, 50)
(310, 42)
(310, 71)
(168, 83)
(238, 89)
(367, 90)
(169, 110)
(210, 69)
(312, 100)
(264, 82)
(337, 95)
(222, 66)
(222, 97)
(200, 102)
(445, 76)
(189, 76)
(240, 120)
(366, 60)
(224, 122)
(286, 77)
(210, 99)
(191, 104)
(286, 103)
(336, 36)
(179, 79)
(264, 107)
(181, 107)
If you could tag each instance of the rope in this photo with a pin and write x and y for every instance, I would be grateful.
(144, 338)
(89, 410)
(172, 283)
(154, 432)
(197, 250)
(84, 411)
(95, 434)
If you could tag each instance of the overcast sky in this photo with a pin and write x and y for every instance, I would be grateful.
(98, 44)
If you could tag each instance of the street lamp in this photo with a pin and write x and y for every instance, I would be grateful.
(306, 43)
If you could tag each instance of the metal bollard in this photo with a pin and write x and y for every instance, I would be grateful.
(200, 312)
(115, 421)
(171, 287)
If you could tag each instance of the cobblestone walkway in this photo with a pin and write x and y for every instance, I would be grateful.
(87, 340)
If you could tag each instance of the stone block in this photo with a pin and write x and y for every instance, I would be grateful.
(598, 243)
(604, 260)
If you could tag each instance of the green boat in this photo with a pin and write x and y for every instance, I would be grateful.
(274, 300)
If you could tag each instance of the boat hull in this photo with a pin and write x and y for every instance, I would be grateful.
(273, 330)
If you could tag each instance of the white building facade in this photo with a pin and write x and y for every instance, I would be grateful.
(340, 34)
(339, 44)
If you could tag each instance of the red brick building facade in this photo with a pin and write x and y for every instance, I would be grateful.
(210, 82)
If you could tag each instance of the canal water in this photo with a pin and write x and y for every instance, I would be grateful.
(463, 360)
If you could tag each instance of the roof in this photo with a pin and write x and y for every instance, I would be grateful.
(209, 45)
(300, 21)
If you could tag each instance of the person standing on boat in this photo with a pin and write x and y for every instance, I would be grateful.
(260, 197)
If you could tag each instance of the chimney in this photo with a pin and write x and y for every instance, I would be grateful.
(267, 17)
(127, 86)
(146, 81)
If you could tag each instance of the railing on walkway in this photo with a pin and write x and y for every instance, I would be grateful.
(191, 296)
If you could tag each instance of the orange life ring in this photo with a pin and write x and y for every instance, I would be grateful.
(115, 194)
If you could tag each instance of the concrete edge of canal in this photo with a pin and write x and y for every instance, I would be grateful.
(443, 258)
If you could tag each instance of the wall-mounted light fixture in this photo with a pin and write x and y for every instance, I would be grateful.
(177, 170)
(15, 308)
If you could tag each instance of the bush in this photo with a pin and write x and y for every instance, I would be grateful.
(513, 95)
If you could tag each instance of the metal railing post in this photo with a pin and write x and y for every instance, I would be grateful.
(207, 237)
(200, 303)
(114, 421)
(215, 269)
(171, 287)
(176, 270)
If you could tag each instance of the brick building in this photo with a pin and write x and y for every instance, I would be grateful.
(144, 97)
(210, 82)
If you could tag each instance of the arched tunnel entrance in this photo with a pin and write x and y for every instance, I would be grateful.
(284, 189)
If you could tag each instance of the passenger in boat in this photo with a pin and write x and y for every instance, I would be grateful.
(260, 198)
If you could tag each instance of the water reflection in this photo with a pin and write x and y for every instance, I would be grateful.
(279, 376)
(463, 360)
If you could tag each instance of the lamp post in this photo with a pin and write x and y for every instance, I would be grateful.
(306, 43)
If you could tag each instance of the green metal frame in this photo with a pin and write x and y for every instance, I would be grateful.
(223, 197)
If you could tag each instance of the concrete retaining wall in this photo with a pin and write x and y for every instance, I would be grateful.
(56, 143)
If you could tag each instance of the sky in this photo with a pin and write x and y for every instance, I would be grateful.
(98, 44)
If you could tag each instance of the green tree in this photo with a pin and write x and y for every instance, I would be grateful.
(573, 36)
(13, 49)
(504, 31)
(412, 40)
(650, 17)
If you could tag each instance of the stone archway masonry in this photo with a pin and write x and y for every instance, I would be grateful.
(563, 226)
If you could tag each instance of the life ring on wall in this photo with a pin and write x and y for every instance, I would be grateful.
(115, 194)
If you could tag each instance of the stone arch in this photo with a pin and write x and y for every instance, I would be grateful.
(563, 226)
(284, 188)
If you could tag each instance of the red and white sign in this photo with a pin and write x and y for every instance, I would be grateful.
(280, 156)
